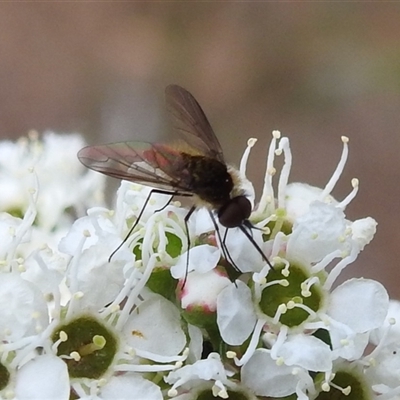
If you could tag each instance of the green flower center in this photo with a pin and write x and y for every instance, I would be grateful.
(87, 347)
(346, 386)
(4, 376)
(290, 294)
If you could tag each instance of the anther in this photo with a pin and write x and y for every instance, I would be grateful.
(172, 392)
(75, 356)
(251, 142)
(276, 134)
(325, 387)
(280, 361)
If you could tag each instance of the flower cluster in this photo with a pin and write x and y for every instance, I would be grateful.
(171, 312)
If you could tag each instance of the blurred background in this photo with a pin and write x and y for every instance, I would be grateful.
(315, 71)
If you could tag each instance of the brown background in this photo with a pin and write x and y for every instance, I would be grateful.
(315, 71)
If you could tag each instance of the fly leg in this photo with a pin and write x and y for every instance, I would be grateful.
(186, 220)
(153, 191)
(222, 241)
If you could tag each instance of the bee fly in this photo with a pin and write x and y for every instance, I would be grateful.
(197, 169)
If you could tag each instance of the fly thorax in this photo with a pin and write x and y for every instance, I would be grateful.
(209, 179)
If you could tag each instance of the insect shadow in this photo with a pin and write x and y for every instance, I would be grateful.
(196, 168)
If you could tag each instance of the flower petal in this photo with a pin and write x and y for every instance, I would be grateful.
(265, 378)
(317, 233)
(45, 377)
(156, 328)
(202, 259)
(361, 304)
(307, 352)
(130, 386)
(235, 313)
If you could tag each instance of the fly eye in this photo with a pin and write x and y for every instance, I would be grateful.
(233, 213)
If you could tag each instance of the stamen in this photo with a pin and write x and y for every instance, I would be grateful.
(285, 171)
(325, 261)
(338, 171)
(267, 197)
(74, 275)
(305, 286)
(286, 269)
(306, 389)
(162, 239)
(371, 362)
(382, 342)
(339, 267)
(325, 387)
(279, 342)
(28, 344)
(279, 239)
(137, 288)
(219, 390)
(282, 309)
(294, 304)
(148, 240)
(160, 358)
(33, 135)
(259, 277)
(280, 361)
(346, 391)
(282, 282)
(243, 162)
(27, 221)
(115, 305)
(74, 356)
(144, 367)
(63, 337)
(253, 343)
(346, 201)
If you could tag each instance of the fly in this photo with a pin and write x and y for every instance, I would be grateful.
(197, 169)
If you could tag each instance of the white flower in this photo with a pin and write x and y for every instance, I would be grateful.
(24, 310)
(63, 181)
(138, 302)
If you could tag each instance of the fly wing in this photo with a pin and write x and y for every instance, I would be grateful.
(191, 123)
(147, 163)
